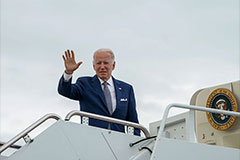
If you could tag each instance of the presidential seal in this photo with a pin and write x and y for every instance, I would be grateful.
(222, 99)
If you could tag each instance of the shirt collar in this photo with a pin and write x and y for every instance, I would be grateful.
(109, 81)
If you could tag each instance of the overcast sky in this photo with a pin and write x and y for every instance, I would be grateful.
(167, 49)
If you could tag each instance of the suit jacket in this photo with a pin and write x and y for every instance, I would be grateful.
(88, 91)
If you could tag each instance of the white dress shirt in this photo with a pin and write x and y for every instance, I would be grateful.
(111, 88)
(66, 76)
(112, 91)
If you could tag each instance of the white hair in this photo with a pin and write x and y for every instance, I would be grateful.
(105, 50)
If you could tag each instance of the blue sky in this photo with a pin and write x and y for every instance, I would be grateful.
(167, 49)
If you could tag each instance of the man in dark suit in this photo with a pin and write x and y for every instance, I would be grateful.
(101, 94)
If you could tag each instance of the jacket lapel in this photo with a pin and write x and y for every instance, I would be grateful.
(97, 87)
(118, 91)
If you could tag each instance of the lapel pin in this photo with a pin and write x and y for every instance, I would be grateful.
(120, 88)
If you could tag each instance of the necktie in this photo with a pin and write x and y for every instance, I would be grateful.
(108, 98)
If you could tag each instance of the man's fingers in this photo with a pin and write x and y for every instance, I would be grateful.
(79, 63)
(69, 61)
(68, 54)
(72, 52)
(63, 57)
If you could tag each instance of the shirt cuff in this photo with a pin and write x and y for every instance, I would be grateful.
(66, 76)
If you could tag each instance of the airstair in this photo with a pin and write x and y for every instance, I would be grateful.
(67, 140)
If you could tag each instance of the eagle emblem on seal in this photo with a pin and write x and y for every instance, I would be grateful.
(222, 99)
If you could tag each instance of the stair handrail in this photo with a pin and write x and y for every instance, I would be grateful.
(29, 129)
(192, 108)
(12, 146)
(108, 119)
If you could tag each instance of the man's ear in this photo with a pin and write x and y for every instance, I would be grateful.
(114, 63)
(94, 67)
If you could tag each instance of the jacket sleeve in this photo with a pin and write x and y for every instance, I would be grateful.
(69, 90)
(132, 112)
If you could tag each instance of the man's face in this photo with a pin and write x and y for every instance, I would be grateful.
(103, 65)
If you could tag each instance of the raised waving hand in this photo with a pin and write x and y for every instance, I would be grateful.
(69, 62)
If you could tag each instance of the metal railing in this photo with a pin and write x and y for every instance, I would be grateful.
(108, 119)
(24, 133)
(192, 108)
(12, 146)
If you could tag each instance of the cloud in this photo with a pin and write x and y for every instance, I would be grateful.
(166, 49)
